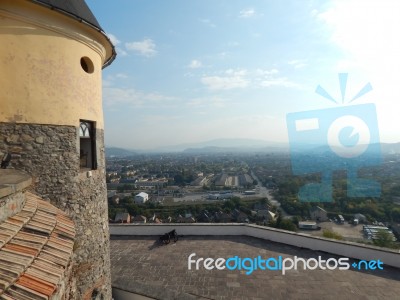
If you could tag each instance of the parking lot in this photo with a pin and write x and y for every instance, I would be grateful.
(348, 231)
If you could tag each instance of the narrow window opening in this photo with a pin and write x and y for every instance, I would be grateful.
(87, 148)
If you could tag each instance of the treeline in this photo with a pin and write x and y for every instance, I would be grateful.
(375, 209)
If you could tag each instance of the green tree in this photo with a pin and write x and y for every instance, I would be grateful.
(179, 180)
(278, 220)
(383, 239)
(287, 224)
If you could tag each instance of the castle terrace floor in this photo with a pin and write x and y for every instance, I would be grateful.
(143, 266)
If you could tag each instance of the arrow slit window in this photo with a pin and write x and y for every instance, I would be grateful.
(87, 141)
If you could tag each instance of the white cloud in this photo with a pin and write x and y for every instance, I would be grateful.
(261, 72)
(115, 96)
(195, 64)
(270, 78)
(121, 51)
(147, 47)
(208, 22)
(121, 76)
(117, 42)
(280, 81)
(247, 13)
(224, 83)
(239, 72)
(207, 102)
(231, 79)
(242, 78)
(223, 55)
(298, 63)
(113, 39)
(121, 97)
(314, 12)
(110, 79)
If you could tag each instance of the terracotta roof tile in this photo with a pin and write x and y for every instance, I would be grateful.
(30, 237)
(43, 274)
(21, 249)
(22, 292)
(61, 239)
(37, 284)
(36, 246)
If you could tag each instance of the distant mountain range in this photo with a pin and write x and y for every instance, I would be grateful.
(119, 152)
(212, 146)
(230, 146)
(390, 148)
(219, 145)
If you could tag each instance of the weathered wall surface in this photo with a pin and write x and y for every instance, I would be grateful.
(11, 204)
(50, 154)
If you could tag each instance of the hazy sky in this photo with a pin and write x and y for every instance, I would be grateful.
(190, 71)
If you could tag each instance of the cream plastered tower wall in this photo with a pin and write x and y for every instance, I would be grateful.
(41, 79)
(45, 91)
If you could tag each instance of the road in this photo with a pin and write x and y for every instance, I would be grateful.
(264, 192)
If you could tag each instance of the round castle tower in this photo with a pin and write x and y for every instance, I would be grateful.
(51, 120)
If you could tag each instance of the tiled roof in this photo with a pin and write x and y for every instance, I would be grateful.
(36, 246)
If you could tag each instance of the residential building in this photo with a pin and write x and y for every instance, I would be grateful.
(122, 218)
(186, 219)
(139, 219)
(360, 217)
(223, 217)
(154, 219)
(141, 198)
(318, 214)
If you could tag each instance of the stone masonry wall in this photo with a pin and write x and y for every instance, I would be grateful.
(51, 155)
(11, 204)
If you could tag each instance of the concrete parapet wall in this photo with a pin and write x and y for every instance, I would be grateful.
(345, 249)
(182, 229)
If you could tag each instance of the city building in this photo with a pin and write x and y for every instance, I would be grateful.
(141, 198)
(150, 184)
(318, 214)
(360, 217)
(139, 219)
(199, 181)
(122, 218)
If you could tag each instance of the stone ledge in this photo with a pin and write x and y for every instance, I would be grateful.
(12, 181)
(5, 190)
